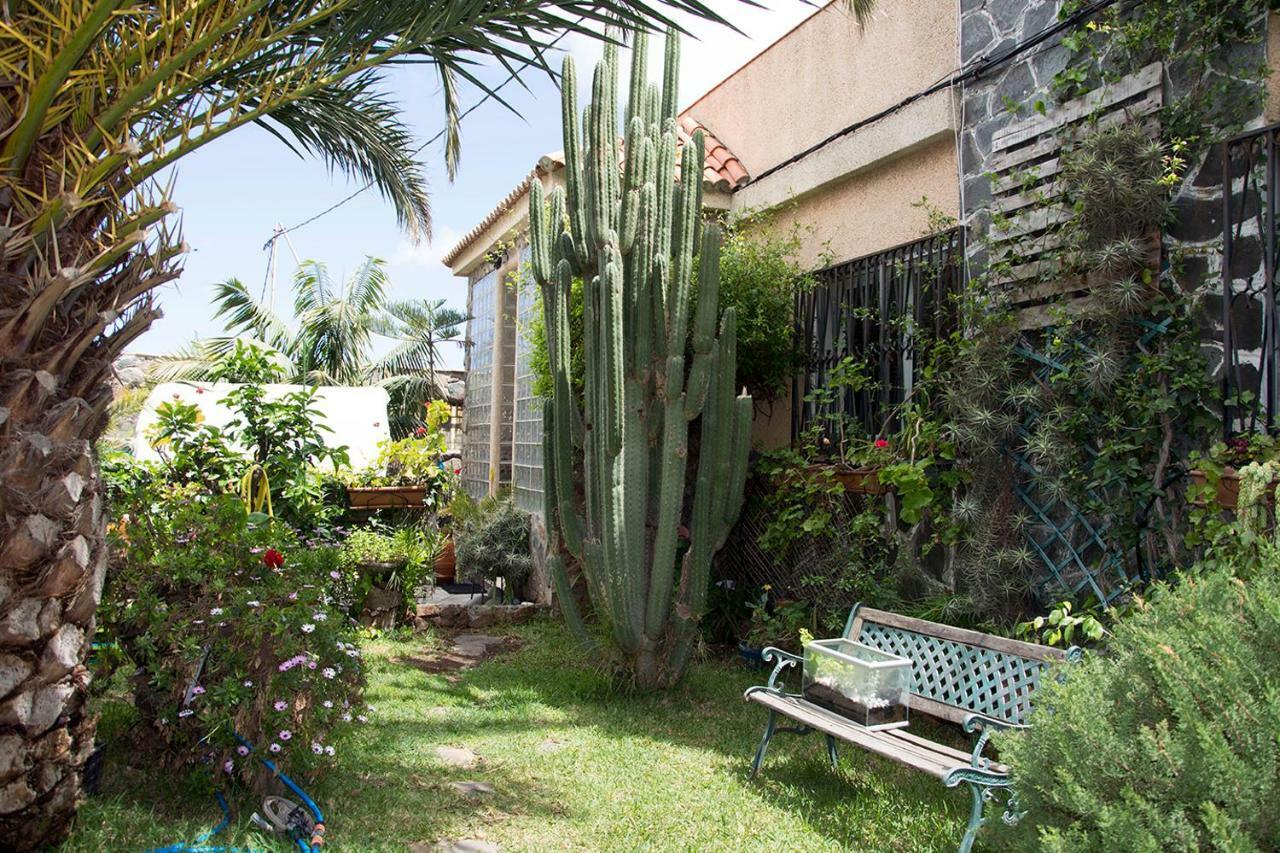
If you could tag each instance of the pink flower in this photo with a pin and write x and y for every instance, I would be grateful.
(197, 690)
(327, 703)
(293, 596)
(307, 628)
(275, 747)
(280, 705)
(285, 734)
(335, 575)
(328, 672)
(311, 664)
(881, 443)
(317, 748)
(328, 750)
(228, 765)
(242, 749)
(185, 712)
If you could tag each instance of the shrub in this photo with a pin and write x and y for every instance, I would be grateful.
(282, 438)
(232, 630)
(1168, 742)
(494, 543)
(410, 551)
(759, 279)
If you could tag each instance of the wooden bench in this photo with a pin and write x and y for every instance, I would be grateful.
(979, 681)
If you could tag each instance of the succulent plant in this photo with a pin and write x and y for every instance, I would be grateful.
(618, 462)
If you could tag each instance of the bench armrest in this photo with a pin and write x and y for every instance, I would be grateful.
(986, 726)
(784, 660)
(982, 723)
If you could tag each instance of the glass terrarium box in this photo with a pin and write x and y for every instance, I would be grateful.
(870, 687)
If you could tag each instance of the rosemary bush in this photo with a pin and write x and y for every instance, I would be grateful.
(1169, 741)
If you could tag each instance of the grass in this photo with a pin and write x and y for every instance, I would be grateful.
(574, 766)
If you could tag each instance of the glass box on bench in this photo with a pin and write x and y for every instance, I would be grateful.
(870, 687)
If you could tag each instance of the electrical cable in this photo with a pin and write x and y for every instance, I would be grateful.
(977, 69)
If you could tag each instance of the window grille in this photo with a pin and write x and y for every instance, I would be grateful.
(1250, 174)
(872, 309)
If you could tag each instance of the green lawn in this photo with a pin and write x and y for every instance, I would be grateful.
(573, 765)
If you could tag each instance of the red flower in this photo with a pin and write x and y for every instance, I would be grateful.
(881, 444)
(420, 432)
(273, 559)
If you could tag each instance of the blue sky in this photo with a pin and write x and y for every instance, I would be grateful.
(236, 190)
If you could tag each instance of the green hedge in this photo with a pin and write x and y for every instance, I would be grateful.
(1169, 741)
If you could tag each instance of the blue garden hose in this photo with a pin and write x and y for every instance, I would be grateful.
(305, 845)
(199, 846)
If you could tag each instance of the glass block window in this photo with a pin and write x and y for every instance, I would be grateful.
(477, 417)
(527, 440)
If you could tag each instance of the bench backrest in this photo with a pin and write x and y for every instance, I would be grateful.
(956, 671)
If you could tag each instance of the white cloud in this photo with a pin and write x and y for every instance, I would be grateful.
(425, 254)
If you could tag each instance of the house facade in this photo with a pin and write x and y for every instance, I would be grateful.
(895, 147)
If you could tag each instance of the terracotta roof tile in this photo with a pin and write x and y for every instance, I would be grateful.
(722, 171)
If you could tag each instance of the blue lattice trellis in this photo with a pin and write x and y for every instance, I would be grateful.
(1077, 557)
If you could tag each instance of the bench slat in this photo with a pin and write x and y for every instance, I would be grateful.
(916, 752)
(1019, 648)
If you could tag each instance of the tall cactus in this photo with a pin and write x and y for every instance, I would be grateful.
(617, 458)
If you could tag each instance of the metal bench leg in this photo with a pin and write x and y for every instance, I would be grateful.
(831, 752)
(764, 743)
(975, 817)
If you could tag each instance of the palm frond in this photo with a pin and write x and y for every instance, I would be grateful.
(244, 314)
(355, 129)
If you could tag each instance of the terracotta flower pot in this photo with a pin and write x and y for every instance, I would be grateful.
(385, 497)
(859, 481)
(446, 563)
(1228, 496)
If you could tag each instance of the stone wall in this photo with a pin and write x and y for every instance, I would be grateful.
(1193, 243)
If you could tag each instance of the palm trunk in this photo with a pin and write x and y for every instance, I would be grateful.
(55, 361)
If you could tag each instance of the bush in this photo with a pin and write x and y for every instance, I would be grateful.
(759, 278)
(282, 440)
(409, 551)
(1169, 741)
(232, 629)
(493, 544)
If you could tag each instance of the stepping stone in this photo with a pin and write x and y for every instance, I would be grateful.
(466, 845)
(472, 789)
(456, 756)
(475, 646)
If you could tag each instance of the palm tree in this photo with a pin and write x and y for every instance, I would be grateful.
(408, 371)
(100, 99)
(332, 340)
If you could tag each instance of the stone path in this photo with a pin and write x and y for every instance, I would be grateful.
(468, 649)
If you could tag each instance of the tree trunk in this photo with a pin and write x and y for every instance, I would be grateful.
(55, 364)
(52, 564)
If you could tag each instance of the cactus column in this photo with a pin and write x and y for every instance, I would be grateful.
(624, 488)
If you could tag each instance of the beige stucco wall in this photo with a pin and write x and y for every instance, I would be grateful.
(876, 208)
(825, 75)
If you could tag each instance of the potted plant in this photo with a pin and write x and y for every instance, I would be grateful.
(409, 472)
(384, 568)
(1217, 476)
(774, 622)
(493, 545)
